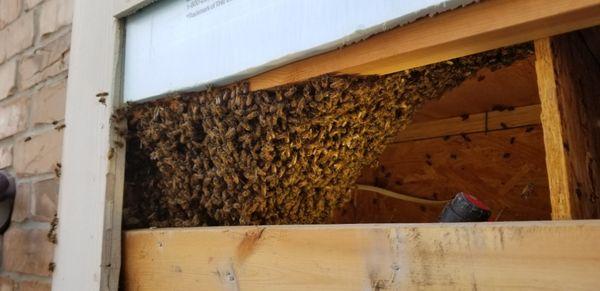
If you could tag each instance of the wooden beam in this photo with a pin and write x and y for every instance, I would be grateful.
(472, 29)
(569, 85)
(479, 256)
(494, 120)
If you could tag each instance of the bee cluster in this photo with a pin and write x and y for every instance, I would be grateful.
(230, 156)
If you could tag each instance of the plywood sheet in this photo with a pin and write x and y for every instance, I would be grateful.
(506, 169)
(513, 86)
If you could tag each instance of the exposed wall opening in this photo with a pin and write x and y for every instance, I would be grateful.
(294, 154)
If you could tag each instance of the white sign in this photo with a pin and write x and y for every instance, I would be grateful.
(178, 45)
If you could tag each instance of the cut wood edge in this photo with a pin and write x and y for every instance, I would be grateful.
(362, 257)
(558, 176)
(475, 28)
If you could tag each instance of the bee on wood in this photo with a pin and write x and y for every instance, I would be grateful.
(121, 132)
(60, 127)
(102, 97)
(527, 190)
(58, 169)
(51, 267)
(111, 153)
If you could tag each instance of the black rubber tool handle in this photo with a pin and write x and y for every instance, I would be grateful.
(7, 186)
(465, 208)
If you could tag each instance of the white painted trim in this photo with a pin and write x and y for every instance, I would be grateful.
(87, 255)
(128, 7)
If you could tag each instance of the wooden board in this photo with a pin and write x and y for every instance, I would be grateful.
(457, 33)
(472, 123)
(488, 166)
(483, 256)
(569, 83)
(514, 85)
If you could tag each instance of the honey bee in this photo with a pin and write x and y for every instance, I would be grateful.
(289, 154)
(51, 235)
(51, 267)
(58, 169)
(111, 153)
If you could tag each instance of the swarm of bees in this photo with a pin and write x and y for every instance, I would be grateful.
(288, 155)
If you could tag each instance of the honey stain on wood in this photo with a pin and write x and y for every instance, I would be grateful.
(248, 245)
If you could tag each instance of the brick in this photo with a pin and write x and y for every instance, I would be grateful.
(8, 78)
(54, 15)
(48, 104)
(39, 155)
(13, 117)
(6, 284)
(27, 251)
(46, 199)
(22, 204)
(45, 62)
(9, 11)
(16, 37)
(6, 156)
(34, 286)
(31, 3)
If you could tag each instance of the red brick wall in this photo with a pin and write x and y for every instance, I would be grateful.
(34, 50)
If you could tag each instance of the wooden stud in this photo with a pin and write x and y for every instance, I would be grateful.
(569, 84)
(520, 116)
(479, 256)
(469, 30)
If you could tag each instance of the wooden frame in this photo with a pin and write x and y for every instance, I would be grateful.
(88, 254)
(481, 256)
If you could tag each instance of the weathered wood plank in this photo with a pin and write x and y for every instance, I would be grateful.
(457, 33)
(569, 84)
(482, 256)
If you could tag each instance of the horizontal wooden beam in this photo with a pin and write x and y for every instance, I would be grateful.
(494, 120)
(472, 29)
(561, 255)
